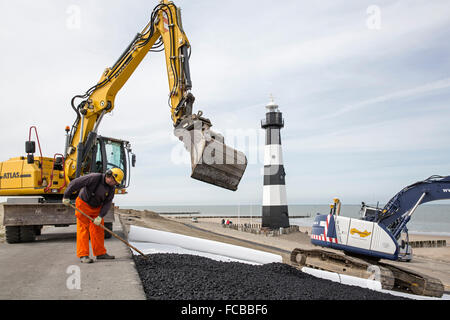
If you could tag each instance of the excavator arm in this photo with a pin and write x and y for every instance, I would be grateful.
(398, 211)
(223, 167)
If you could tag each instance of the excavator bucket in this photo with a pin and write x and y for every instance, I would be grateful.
(216, 163)
(213, 161)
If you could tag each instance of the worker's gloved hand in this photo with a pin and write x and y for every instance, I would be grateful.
(66, 201)
(98, 220)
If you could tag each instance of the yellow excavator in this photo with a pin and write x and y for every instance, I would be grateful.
(44, 179)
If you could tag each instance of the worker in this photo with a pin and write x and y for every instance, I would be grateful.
(96, 192)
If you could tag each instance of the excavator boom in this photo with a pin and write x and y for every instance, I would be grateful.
(86, 151)
(212, 160)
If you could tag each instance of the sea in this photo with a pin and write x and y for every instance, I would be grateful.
(428, 219)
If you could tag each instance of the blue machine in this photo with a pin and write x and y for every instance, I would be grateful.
(379, 233)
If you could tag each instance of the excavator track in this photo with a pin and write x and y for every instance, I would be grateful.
(391, 277)
(410, 281)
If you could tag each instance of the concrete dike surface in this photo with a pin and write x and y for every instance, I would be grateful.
(48, 269)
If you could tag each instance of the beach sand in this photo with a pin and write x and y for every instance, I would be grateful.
(430, 261)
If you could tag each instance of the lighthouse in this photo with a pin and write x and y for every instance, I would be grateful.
(275, 208)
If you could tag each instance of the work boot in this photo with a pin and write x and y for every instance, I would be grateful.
(86, 259)
(105, 256)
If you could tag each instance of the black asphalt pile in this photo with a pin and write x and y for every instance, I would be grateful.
(190, 277)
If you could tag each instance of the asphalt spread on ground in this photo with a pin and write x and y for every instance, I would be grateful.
(188, 277)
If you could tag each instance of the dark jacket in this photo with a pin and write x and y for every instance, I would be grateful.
(93, 190)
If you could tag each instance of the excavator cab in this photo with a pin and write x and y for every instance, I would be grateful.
(110, 153)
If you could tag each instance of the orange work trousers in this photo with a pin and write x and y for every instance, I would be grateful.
(86, 227)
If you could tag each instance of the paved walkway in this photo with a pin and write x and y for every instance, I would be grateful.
(49, 269)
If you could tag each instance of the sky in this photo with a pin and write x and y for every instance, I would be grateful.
(364, 88)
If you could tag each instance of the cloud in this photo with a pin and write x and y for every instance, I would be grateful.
(429, 132)
(342, 88)
(422, 90)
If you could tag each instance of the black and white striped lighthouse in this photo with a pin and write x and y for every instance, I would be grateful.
(275, 208)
